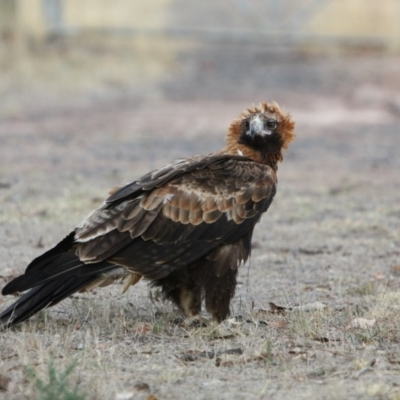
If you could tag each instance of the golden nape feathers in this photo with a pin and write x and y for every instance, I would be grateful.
(185, 228)
(268, 154)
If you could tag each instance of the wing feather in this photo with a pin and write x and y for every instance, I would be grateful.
(195, 202)
(132, 211)
(195, 217)
(176, 215)
(152, 201)
(209, 204)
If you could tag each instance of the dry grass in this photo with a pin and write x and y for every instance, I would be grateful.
(131, 346)
(115, 345)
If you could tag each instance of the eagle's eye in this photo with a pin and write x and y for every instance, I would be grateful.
(271, 124)
(246, 125)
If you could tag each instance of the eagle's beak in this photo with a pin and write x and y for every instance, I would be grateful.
(257, 127)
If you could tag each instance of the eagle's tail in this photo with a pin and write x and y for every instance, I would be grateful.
(51, 278)
(41, 296)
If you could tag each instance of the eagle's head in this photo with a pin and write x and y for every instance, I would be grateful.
(261, 133)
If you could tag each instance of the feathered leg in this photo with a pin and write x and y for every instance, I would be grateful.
(181, 290)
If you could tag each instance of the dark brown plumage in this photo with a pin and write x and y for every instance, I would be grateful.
(186, 227)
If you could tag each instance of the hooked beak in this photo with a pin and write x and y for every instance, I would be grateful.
(257, 127)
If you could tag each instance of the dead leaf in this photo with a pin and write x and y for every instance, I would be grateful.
(277, 309)
(323, 288)
(320, 288)
(362, 323)
(373, 362)
(141, 386)
(297, 351)
(39, 243)
(379, 276)
(278, 324)
(324, 339)
(236, 350)
(4, 382)
(222, 336)
(5, 185)
(312, 252)
(246, 360)
(310, 306)
(321, 372)
(193, 355)
(395, 270)
(100, 199)
(142, 329)
(8, 357)
(394, 358)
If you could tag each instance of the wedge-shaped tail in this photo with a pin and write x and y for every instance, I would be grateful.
(52, 277)
(42, 296)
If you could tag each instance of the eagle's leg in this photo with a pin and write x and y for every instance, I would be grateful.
(181, 290)
(189, 301)
(218, 294)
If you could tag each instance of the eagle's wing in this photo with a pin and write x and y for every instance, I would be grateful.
(164, 221)
(174, 216)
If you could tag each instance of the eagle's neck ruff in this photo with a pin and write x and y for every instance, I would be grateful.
(268, 151)
(269, 158)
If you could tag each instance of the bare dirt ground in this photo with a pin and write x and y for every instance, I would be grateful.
(327, 253)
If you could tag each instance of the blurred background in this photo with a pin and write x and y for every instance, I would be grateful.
(58, 53)
(103, 90)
